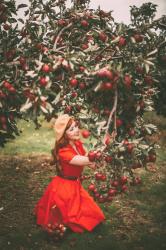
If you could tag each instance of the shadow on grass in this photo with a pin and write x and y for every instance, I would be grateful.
(22, 183)
(149, 202)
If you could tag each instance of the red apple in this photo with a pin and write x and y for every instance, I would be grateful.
(62, 22)
(125, 142)
(98, 155)
(92, 155)
(104, 72)
(97, 195)
(152, 157)
(107, 139)
(101, 199)
(110, 75)
(6, 26)
(115, 184)
(43, 104)
(85, 133)
(136, 165)
(127, 81)
(7, 85)
(12, 90)
(68, 109)
(131, 132)
(84, 23)
(91, 187)
(130, 147)
(122, 41)
(107, 85)
(73, 82)
(123, 179)
(103, 177)
(39, 46)
(46, 68)
(102, 36)
(44, 49)
(4, 126)
(124, 188)
(2, 95)
(137, 180)
(89, 38)
(82, 85)
(112, 192)
(103, 187)
(3, 119)
(98, 176)
(22, 60)
(108, 159)
(119, 123)
(11, 117)
(25, 67)
(74, 94)
(138, 38)
(148, 79)
(43, 81)
(78, 107)
(84, 46)
(82, 68)
(95, 190)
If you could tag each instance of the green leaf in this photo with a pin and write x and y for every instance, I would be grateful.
(12, 20)
(26, 12)
(22, 5)
(21, 20)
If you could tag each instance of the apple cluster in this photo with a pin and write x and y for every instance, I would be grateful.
(56, 230)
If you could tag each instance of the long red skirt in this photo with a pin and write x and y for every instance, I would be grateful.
(66, 201)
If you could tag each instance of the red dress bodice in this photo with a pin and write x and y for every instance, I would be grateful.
(65, 156)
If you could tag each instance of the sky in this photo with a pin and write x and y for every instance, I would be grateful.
(120, 8)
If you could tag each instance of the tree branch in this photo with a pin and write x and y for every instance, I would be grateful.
(112, 111)
(10, 63)
(110, 119)
(60, 33)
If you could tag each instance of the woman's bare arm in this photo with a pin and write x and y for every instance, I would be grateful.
(80, 160)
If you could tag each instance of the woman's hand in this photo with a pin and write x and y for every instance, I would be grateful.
(92, 165)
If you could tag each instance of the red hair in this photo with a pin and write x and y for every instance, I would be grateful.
(60, 144)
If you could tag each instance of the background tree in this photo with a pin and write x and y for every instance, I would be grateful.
(80, 61)
(160, 97)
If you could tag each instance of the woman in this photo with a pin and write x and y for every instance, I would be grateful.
(65, 203)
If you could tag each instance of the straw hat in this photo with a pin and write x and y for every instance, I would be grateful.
(60, 125)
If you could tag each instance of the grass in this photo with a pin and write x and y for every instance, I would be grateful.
(30, 141)
(135, 220)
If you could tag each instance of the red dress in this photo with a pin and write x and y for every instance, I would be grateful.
(65, 201)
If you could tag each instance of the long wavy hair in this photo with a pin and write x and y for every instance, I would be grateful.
(60, 144)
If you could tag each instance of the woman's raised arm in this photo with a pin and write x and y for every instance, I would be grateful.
(80, 160)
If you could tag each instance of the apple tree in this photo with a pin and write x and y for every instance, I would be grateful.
(81, 62)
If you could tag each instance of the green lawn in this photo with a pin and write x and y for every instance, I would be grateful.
(30, 141)
(135, 221)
